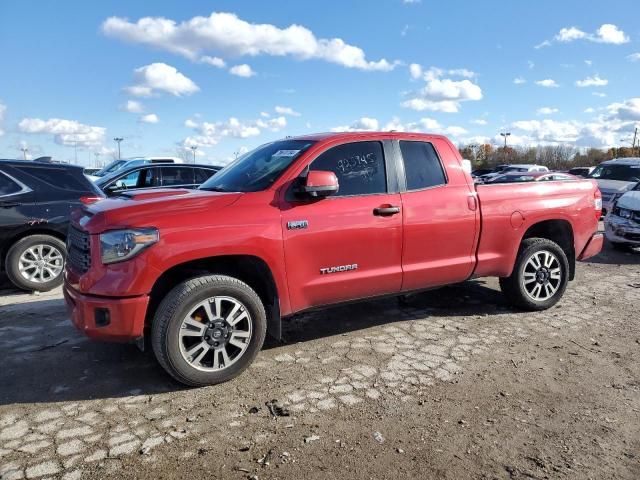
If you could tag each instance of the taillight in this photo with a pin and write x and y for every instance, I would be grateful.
(88, 199)
(597, 202)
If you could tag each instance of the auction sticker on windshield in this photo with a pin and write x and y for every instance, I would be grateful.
(286, 153)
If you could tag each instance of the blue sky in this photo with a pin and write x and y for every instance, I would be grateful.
(227, 76)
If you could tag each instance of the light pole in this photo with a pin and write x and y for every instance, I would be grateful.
(97, 156)
(118, 140)
(505, 135)
(193, 149)
(24, 152)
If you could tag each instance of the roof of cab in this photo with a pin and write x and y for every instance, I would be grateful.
(623, 161)
(355, 135)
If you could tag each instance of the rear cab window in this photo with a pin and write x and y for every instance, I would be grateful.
(422, 165)
(359, 166)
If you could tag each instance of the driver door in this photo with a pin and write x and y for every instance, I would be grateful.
(343, 247)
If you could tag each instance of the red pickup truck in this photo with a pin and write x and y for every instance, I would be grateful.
(307, 222)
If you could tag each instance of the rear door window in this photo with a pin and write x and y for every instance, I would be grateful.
(359, 166)
(421, 165)
(58, 177)
(203, 174)
(8, 186)
(177, 176)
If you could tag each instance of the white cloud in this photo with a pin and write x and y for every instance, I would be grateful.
(442, 94)
(149, 118)
(213, 61)
(209, 134)
(629, 110)
(243, 70)
(226, 34)
(479, 121)
(286, 111)
(265, 114)
(415, 70)
(594, 81)
(606, 33)
(519, 81)
(547, 83)
(588, 63)
(160, 77)
(599, 94)
(65, 132)
(3, 109)
(132, 106)
(411, 1)
(362, 124)
(425, 125)
(547, 111)
(634, 57)
(589, 110)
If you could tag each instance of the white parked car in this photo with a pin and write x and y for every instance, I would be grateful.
(131, 162)
(622, 224)
(517, 168)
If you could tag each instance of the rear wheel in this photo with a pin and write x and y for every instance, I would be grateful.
(36, 262)
(208, 330)
(539, 276)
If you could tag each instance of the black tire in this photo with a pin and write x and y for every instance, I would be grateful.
(12, 260)
(513, 286)
(176, 306)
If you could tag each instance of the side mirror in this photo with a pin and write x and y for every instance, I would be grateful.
(319, 183)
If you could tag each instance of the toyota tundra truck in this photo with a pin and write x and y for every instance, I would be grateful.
(307, 222)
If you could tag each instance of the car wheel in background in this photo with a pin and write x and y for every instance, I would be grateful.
(36, 262)
(208, 330)
(539, 277)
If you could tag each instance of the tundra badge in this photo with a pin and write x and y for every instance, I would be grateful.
(339, 268)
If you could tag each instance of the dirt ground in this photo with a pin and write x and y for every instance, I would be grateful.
(448, 384)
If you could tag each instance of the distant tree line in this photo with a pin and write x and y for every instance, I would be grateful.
(555, 157)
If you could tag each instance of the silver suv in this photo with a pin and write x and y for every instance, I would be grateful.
(616, 177)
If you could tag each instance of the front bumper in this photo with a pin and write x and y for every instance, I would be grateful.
(619, 230)
(105, 318)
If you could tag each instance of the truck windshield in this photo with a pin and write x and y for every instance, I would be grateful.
(258, 169)
(626, 173)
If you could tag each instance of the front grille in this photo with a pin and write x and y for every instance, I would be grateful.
(79, 250)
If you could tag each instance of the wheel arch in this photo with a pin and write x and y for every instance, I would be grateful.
(251, 269)
(17, 236)
(559, 231)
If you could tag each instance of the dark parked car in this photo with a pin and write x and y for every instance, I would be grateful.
(156, 176)
(36, 200)
(582, 171)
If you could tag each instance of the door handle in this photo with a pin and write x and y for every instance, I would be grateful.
(386, 210)
(9, 204)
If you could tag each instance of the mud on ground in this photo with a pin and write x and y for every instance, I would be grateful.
(448, 384)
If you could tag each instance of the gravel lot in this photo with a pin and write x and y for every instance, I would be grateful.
(448, 384)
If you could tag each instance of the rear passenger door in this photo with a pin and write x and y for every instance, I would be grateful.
(440, 216)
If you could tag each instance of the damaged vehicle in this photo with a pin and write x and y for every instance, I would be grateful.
(622, 224)
(615, 177)
(36, 200)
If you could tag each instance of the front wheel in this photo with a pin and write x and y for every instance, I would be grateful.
(208, 330)
(539, 277)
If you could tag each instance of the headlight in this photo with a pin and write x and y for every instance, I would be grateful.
(623, 213)
(121, 245)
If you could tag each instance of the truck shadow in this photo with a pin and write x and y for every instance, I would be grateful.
(610, 256)
(46, 360)
(472, 298)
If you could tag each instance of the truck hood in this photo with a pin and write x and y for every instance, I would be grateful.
(614, 186)
(150, 207)
(630, 201)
